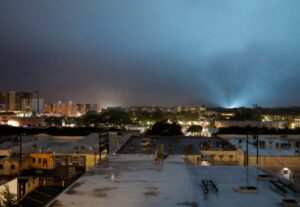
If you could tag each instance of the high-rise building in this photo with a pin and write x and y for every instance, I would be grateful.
(48, 108)
(59, 108)
(3, 101)
(12, 101)
(81, 109)
(37, 105)
(69, 109)
(24, 101)
(92, 107)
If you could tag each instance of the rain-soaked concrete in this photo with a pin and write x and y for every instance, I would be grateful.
(132, 181)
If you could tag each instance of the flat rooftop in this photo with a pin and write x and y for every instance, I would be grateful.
(269, 146)
(62, 144)
(228, 178)
(177, 145)
(136, 180)
(132, 181)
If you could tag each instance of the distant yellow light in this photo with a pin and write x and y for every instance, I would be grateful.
(13, 123)
(293, 126)
(205, 163)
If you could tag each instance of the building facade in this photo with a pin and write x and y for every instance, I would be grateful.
(21, 101)
(69, 109)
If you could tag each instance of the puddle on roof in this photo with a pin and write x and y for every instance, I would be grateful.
(56, 203)
(102, 192)
(151, 194)
(188, 204)
(72, 190)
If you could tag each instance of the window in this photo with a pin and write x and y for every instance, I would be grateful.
(262, 144)
(285, 146)
(45, 162)
(12, 167)
(33, 160)
(1, 166)
(40, 160)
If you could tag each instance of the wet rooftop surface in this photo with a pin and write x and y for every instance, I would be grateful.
(135, 181)
(63, 144)
(269, 146)
(174, 145)
(227, 178)
(132, 181)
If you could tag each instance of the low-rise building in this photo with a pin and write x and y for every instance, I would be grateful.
(19, 187)
(9, 166)
(251, 123)
(26, 185)
(26, 121)
(8, 184)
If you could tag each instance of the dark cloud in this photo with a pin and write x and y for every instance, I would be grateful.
(227, 53)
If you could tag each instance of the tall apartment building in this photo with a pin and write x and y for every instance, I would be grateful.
(92, 108)
(37, 103)
(24, 101)
(3, 101)
(12, 101)
(58, 108)
(81, 109)
(21, 101)
(69, 109)
(62, 109)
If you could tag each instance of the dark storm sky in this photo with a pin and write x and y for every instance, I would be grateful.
(158, 52)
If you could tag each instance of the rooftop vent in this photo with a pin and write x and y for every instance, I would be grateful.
(246, 189)
(265, 177)
(289, 203)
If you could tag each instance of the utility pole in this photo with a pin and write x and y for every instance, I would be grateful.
(20, 154)
(255, 143)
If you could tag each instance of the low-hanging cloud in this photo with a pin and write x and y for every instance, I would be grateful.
(223, 53)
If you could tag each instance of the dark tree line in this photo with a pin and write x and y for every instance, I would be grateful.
(121, 117)
(164, 128)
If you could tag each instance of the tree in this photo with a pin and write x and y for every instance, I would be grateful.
(164, 128)
(195, 129)
(245, 114)
(53, 121)
(116, 117)
(90, 119)
(7, 199)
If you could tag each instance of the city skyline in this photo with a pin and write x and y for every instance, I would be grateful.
(150, 103)
(218, 53)
(67, 100)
